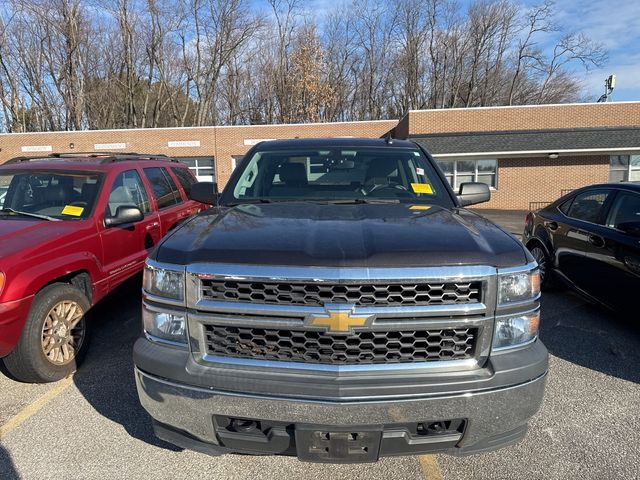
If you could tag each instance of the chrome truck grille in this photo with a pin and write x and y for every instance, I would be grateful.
(340, 318)
(281, 293)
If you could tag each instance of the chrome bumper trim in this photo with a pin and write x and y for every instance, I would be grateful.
(441, 366)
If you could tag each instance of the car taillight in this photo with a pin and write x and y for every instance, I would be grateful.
(2, 281)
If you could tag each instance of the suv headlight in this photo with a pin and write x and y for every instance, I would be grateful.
(163, 283)
(518, 287)
(516, 330)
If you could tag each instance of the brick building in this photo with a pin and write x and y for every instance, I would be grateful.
(529, 155)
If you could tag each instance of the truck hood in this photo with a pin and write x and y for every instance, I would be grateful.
(363, 235)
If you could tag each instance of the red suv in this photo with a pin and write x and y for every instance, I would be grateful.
(72, 228)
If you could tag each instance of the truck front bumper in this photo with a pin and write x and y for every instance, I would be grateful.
(215, 422)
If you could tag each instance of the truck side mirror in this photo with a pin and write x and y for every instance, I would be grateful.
(204, 192)
(472, 193)
(124, 214)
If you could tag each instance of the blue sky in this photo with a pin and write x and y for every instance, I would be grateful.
(616, 24)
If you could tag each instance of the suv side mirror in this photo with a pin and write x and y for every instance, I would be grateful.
(204, 192)
(472, 193)
(124, 214)
(630, 228)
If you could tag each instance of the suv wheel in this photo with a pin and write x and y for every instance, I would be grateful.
(55, 336)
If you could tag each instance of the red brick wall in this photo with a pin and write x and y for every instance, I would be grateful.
(401, 130)
(230, 140)
(541, 179)
(520, 181)
(539, 117)
(219, 142)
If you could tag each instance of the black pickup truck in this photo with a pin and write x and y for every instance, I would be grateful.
(339, 304)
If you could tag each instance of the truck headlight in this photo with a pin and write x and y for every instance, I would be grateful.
(517, 330)
(163, 283)
(169, 326)
(518, 287)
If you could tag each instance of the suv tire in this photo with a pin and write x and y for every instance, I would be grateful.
(55, 337)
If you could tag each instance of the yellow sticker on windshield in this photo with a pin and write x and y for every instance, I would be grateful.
(72, 210)
(422, 188)
(419, 207)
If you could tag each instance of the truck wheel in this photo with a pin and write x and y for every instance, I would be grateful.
(55, 336)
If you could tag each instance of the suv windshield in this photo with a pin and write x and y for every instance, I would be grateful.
(339, 174)
(63, 195)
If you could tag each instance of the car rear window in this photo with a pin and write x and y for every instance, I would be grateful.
(164, 188)
(588, 206)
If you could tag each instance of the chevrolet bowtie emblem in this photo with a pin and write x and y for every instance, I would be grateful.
(339, 319)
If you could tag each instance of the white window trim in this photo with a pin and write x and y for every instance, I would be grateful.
(475, 172)
(197, 165)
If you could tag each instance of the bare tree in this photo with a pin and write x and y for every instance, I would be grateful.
(572, 47)
(75, 64)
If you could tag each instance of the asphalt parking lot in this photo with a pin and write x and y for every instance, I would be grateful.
(511, 220)
(92, 426)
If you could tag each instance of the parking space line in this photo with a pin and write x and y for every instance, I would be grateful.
(34, 407)
(430, 467)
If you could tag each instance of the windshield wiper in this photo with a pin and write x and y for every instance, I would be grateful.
(29, 214)
(321, 201)
(248, 201)
(358, 201)
(253, 201)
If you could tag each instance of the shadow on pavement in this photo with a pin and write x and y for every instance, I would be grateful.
(106, 378)
(6, 373)
(590, 336)
(7, 469)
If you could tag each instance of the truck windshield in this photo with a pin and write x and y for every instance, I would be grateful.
(342, 174)
(56, 194)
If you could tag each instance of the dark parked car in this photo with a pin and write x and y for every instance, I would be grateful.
(590, 239)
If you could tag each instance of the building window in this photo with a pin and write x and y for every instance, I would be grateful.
(461, 171)
(202, 167)
(624, 168)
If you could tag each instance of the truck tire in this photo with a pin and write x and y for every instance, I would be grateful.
(55, 336)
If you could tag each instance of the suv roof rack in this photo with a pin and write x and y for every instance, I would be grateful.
(105, 157)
